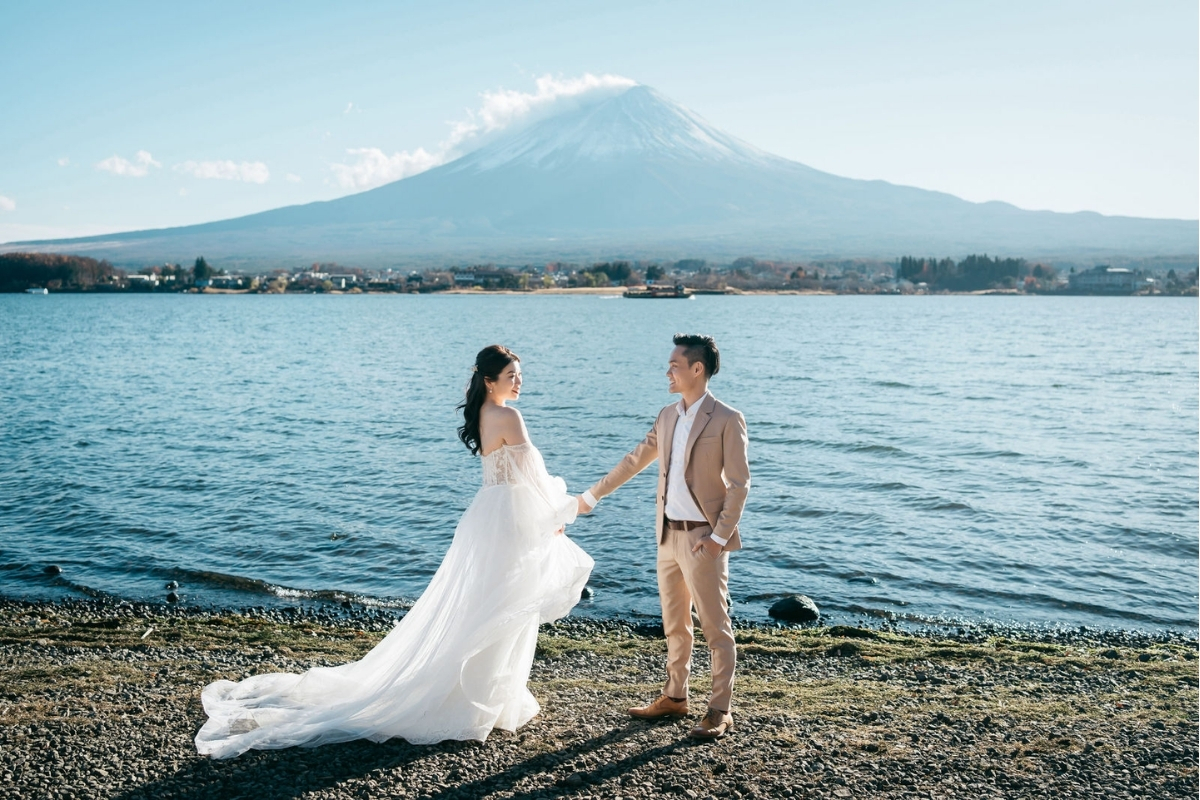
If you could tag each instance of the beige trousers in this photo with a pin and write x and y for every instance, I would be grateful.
(686, 579)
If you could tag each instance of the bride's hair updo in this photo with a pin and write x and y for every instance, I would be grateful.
(489, 363)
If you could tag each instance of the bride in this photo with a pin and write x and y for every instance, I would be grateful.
(456, 666)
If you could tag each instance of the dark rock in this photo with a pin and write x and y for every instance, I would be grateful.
(795, 608)
(53, 569)
(1144, 657)
(1110, 653)
(587, 593)
(172, 585)
(172, 597)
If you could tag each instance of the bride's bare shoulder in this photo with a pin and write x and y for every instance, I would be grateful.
(504, 425)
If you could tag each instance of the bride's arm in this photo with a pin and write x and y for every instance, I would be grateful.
(552, 490)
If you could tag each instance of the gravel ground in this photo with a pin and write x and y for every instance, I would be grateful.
(101, 699)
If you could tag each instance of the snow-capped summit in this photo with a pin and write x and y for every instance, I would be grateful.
(638, 122)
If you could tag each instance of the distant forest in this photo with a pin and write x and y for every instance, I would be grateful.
(971, 274)
(20, 271)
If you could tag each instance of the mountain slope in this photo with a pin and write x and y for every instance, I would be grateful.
(636, 174)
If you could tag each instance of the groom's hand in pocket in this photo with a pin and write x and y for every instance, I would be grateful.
(708, 547)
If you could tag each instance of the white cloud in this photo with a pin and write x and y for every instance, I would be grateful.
(137, 168)
(503, 107)
(7, 203)
(292, 178)
(248, 171)
(349, 108)
(498, 110)
(373, 167)
(183, 191)
(64, 162)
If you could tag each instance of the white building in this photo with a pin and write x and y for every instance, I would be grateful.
(1106, 280)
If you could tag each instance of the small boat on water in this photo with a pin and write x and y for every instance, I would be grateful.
(678, 291)
(37, 290)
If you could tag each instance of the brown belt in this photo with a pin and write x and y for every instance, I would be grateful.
(684, 525)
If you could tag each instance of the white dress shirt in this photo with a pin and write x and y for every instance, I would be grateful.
(679, 506)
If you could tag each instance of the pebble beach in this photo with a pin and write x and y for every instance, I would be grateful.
(100, 699)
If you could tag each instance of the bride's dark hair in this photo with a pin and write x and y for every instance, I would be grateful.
(489, 363)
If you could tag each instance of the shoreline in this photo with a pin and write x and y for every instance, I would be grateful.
(617, 290)
(346, 608)
(381, 617)
(101, 699)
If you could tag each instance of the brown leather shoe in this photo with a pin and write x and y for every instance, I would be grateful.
(662, 707)
(716, 723)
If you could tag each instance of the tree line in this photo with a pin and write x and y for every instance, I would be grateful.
(21, 271)
(59, 272)
(971, 274)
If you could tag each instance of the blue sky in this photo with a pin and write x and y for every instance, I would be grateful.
(119, 116)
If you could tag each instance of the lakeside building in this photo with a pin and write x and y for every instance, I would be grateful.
(343, 281)
(479, 277)
(1107, 280)
(141, 282)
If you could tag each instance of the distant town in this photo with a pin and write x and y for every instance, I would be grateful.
(976, 274)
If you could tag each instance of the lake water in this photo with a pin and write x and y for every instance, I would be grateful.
(1025, 460)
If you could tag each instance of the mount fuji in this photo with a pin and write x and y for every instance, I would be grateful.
(634, 174)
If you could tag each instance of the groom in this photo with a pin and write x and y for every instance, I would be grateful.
(703, 478)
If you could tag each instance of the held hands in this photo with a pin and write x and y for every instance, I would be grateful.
(710, 548)
(582, 508)
(559, 532)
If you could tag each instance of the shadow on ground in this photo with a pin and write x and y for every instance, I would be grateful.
(396, 766)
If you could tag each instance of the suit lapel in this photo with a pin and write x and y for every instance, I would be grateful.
(667, 438)
(702, 415)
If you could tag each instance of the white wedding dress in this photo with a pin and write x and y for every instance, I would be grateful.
(456, 666)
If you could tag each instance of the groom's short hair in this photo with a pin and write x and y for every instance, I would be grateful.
(700, 348)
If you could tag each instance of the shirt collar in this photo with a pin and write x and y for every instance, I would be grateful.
(691, 412)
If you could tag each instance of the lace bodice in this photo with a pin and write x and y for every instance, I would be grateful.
(509, 463)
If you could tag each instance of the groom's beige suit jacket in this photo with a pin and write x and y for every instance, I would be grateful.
(716, 468)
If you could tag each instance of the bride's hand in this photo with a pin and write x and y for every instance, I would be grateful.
(559, 532)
